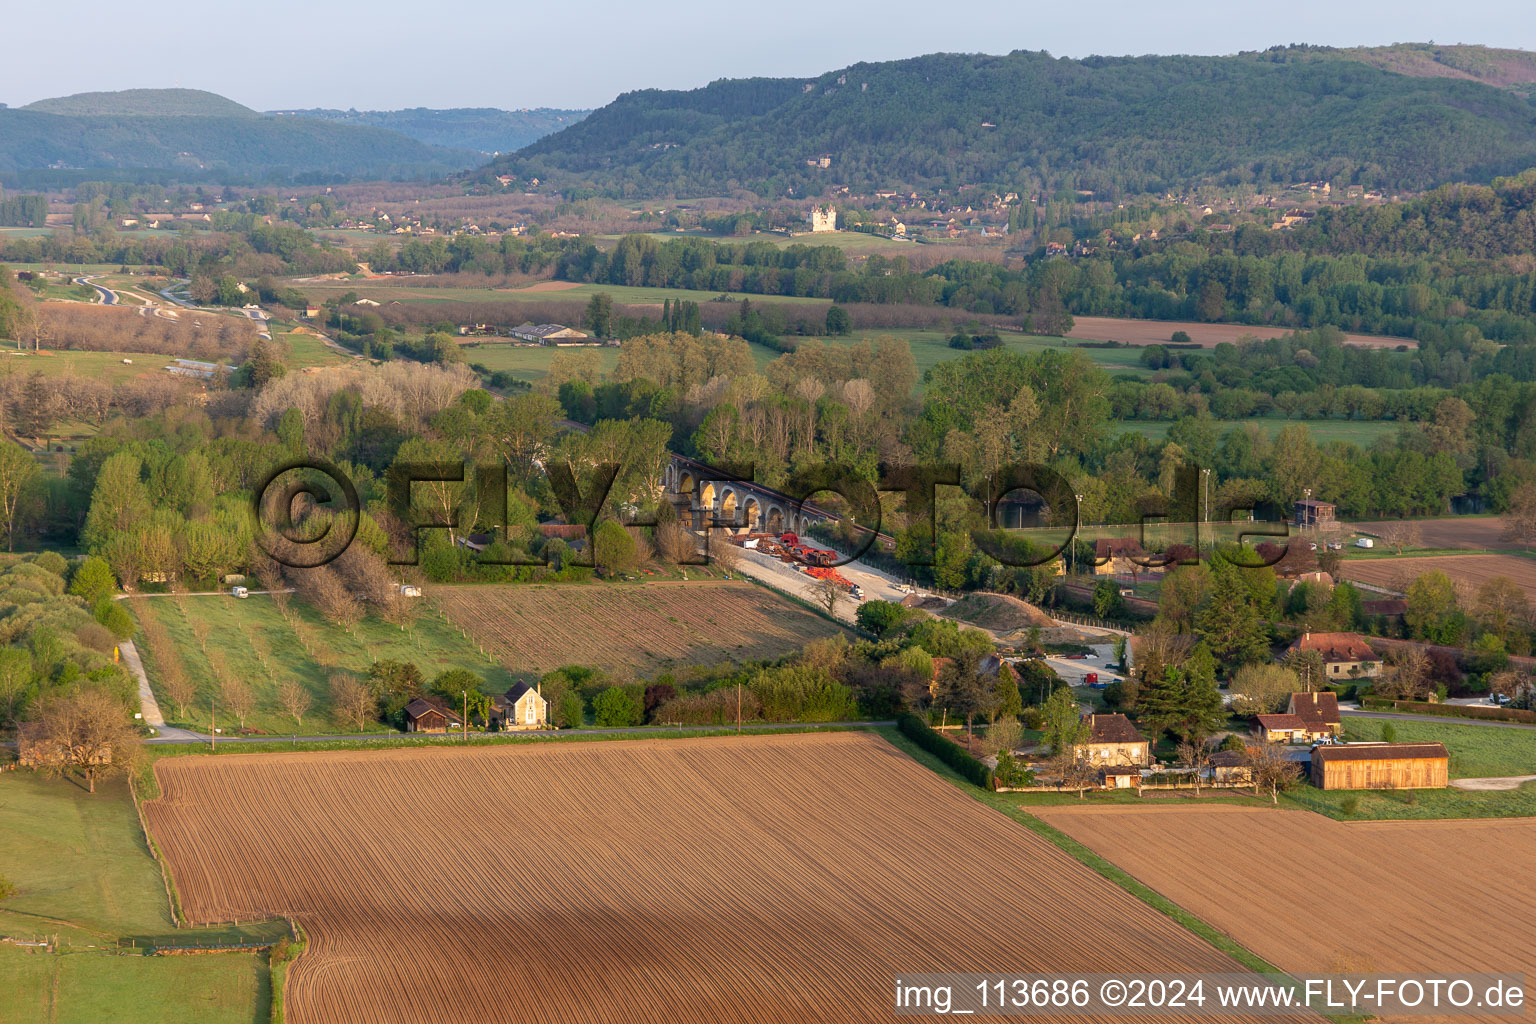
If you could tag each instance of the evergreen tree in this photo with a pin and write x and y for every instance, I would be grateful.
(1006, 691)
(1229, 623)
(1183, 700)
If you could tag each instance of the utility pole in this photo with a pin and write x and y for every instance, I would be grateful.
(213, 724)
(465, 723)
(738, 705)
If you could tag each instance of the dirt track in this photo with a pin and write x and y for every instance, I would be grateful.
(1158, 332)
(1310, 894)
(774, 878)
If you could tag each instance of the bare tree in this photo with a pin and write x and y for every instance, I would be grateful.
(1401, 536)
(725, 554)
(1197, 758)
(353, 700)
(237, 695)
(677, 543)
(827, 595)
(1074, 771)
(1270, 768)
(1405, 673)
(295, 700)
(88, 730)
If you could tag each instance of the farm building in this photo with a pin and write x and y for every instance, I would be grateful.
(1113, 740)
(1345, 655)
(1381, 766)
(1315, 513)
(548, 334)
(1230, 768)
(521, 707)
(428, 714)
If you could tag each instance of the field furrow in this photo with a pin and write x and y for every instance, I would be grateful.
(757, 879)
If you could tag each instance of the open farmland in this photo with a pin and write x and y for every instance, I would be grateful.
(1308, 893)
(1471, 532)
(643, 626)
(1468, 571)
(1160, 332)
(767, 878)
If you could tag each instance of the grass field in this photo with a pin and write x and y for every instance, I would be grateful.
(694, 877)
(1476, 750)
(855, 243)
(400, 289)
(307, 350)
(531, 363)
(1384, 897)
(535, 628)
(1359, 432)
(85, 875)
(107, 367)
(239, 633)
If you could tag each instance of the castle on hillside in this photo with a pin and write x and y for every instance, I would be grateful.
(823, 218)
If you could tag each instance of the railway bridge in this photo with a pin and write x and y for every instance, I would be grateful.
(735, 505)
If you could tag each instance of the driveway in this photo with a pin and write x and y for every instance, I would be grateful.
(1485, 785)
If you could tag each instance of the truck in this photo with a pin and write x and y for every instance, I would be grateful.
(240, 592)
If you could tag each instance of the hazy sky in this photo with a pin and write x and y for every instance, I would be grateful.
(385, 54)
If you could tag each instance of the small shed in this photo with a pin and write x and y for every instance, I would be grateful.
(1381, 766)
(1315, 513)
(428, 714)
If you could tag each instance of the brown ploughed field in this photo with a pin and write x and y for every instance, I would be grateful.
(723, 879)
(1310, 894)
(1158, 332)
(641, 625)
(1454, 532)
(1467, 571)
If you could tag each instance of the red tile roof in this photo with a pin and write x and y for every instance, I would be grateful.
(1281, 722)
(1336, 646)
(1317, 710)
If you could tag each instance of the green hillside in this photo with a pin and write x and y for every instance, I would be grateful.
(143, 103)
(1134, 124)
(483, 128)
(232, 143)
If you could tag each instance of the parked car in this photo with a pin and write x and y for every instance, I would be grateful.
(241, 592)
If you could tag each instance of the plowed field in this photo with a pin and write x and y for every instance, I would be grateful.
(1310, 894)
(1451, 532)
(1467, 571)
(644, 626)
(725, 879)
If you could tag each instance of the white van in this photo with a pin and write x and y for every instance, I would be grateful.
(240, 592)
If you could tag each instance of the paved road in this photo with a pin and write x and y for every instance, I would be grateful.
(108, 296)
(1442, 719)
(647, 730)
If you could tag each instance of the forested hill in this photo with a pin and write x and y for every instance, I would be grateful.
(144, 103)
(200, 135)
(1137, 124)
(483, 128)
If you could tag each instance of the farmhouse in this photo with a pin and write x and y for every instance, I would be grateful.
(1113, 741)
(1318, 711)
(1381, 766)
(1285, 728)
(548, 334)
(521, 707)
(429, 714)
(1345, 655)
(1230, 768)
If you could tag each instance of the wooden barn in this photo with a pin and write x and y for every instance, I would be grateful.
(1381, 766)
(428, 714)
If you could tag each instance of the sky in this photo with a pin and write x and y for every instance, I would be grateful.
(388, 54)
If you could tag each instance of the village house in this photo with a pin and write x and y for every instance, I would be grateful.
(1318, 711)
(521, 707)
(1230, 768)
(1381, 766)
(1114, 742)
(1345, 655)
(1282, 728)
(430, 714)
